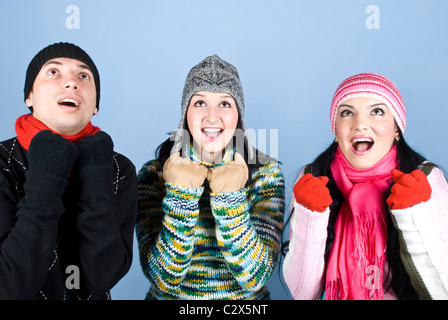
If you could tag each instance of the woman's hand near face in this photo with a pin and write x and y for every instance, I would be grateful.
(230, 177)
(409, 189)
(183, 172)
(312, 193)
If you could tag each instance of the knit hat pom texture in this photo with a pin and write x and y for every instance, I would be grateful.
(371, 85)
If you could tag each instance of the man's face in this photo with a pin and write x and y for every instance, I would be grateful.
(63, 96)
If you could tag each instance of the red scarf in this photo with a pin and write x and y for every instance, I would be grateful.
(27, 127)
(355, 266)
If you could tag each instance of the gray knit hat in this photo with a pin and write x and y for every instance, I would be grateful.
(213, 75)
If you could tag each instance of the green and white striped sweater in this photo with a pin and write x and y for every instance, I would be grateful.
(195, 244)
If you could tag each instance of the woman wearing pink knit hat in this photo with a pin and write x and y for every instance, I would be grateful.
(369, 217)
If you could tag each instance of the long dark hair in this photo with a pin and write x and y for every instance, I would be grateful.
(409, 160)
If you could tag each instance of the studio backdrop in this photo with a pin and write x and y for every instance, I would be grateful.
(291, 56)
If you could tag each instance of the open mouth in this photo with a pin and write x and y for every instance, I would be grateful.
(361, 145)
(69, 103)
(212, 133)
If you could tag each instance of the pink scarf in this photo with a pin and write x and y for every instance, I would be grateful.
(355, 266)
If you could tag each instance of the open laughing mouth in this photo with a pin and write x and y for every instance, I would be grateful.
(212, 133)
(361, 145)
(69, 103)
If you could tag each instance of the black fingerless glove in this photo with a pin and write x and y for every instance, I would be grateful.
(49, 152)
(95, 149)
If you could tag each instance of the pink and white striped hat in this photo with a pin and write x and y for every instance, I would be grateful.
(370, 85)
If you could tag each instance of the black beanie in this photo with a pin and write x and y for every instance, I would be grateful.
(60, 50)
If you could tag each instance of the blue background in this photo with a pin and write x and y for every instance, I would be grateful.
(291, 56)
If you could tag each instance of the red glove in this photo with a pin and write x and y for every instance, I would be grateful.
(409, 189)
(312, 193)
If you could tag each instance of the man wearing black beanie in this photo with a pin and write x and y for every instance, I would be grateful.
(67, 200)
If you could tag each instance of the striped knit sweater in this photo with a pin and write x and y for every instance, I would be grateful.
(195, 244)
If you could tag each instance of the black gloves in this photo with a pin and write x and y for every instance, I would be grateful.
(95, 150)
(50, 152)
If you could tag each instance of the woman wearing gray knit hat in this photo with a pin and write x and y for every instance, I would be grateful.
(211, 206)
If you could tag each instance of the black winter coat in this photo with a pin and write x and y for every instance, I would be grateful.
(64, 238)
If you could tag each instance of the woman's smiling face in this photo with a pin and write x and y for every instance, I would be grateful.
(365, 130)
(212, 120)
